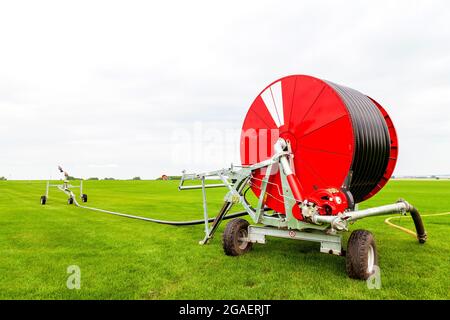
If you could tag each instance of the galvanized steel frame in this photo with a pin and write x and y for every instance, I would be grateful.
(323, 229)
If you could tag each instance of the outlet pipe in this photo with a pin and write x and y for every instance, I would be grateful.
(340, 222)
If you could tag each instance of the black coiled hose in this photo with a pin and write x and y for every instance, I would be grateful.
(372, 141)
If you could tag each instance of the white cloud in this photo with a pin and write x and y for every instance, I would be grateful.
(109, 82)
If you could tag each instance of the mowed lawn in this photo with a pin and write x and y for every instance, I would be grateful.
(122, 258)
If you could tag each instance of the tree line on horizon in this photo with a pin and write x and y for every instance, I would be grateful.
(2, 178)
(110, 178)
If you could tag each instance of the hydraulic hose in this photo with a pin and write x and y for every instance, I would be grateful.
(420, 229)
(167, 222)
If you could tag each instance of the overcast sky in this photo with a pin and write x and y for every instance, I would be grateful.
(127, 88)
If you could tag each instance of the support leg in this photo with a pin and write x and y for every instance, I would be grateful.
(223, 211)
(205, 208)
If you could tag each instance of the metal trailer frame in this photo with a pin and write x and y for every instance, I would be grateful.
(318, 228)
(64, 186)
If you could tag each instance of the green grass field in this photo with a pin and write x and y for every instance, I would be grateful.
(124, 258)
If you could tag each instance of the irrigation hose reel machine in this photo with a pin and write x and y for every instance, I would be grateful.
(311, 150)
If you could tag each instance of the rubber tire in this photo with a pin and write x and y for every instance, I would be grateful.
(231, 243)
(70, 200)
(43, 200)
(84, 197)
(356, 255)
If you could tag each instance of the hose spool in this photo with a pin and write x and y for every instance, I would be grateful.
(340, 138)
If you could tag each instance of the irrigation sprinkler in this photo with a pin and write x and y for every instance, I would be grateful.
(311, 151)
(66, 186)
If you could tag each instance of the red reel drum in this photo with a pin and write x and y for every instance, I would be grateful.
(340, 139)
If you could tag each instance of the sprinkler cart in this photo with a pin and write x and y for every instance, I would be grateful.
(66, 188)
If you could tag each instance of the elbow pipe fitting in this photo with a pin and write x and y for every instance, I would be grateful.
(415, 215)
(420, 229)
